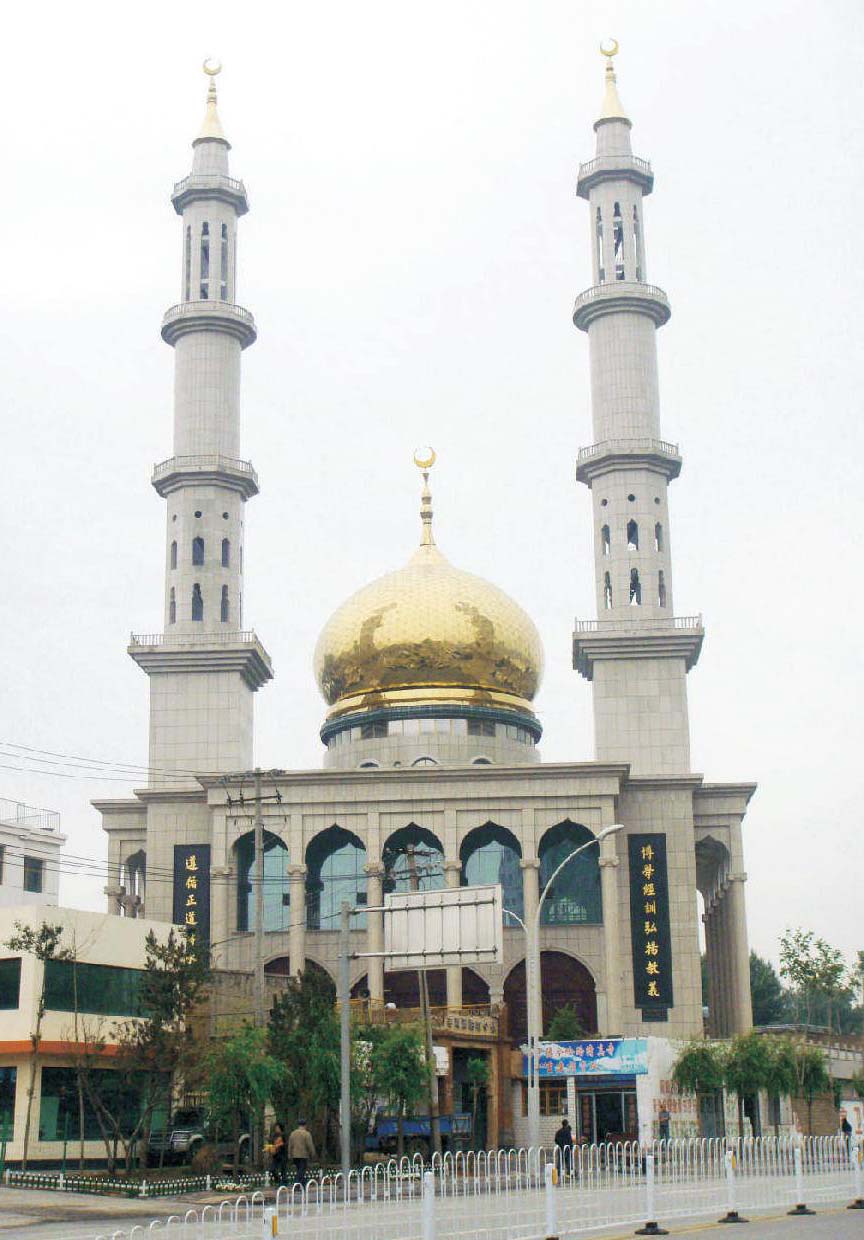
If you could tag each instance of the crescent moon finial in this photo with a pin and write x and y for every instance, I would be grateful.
(211, 66)
(611, 51)
(425, 457)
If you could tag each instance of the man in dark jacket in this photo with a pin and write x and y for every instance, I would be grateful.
(563, 1143)
(300, 1149)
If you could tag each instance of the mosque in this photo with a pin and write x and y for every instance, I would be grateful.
(431, 773)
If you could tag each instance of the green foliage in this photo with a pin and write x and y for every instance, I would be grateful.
(820, 984)
(241, 1077)
(770, 1002)
(811, 1072)
(43, 942)
(565, 1025)
(745, 1069)
(858, 1084)
(781, 1072)
(699, 1068)
(398, 1067)
(303, 1035)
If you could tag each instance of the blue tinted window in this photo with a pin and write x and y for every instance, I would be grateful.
(277, 913)
(575, 895)
(334, 861)
(492, 855)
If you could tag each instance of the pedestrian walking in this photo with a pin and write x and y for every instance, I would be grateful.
(564, 1146)
(279, 1154)
(301, 1148)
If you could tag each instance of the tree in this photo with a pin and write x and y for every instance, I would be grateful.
(565, 1025)
(241, 1077)
(745, 1069)
(477, 1072)
(150, 1048)
(303, 1035)
(699, 1069)
(811, 1074)
(818, 978)
(399, 1072)
(43, 942)
(781, 1076)
(770, 1002)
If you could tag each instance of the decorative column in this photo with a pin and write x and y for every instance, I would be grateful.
(611, 936)
(221, 889)
(297, 923)
(453, 878)
(375, 929)
(723, 960)
(739, 956)
(531, 898)
(711, 969)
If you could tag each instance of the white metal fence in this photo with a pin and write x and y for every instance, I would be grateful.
(528, 1194)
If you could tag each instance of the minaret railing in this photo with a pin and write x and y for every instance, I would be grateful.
(628, 445)
(686, 623)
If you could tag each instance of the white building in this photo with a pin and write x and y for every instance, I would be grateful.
(109, 958)
(429, 676)
(30, 855)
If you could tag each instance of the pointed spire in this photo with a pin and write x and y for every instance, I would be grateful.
(211, 126)
(612, 107)
(424, 459)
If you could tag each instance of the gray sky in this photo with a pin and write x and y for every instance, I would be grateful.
(411, 257)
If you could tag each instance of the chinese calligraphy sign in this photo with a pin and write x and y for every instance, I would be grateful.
(192, 890)
(649, 923)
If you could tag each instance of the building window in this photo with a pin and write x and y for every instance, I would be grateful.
(223, 270)
(277, 910)
(334, 872)
(10, 983)
(174, 554)
(205, 262)
(637, 244)
(102, 990)
(658, 537)
(226, 553)
(481, 727)
(172, 607)
(607, 591)
(187, 265)
(197, 603)
(601, 271)
(491, 854)
(632, 536)
(424, 761)
(635, 588)
(553, 1098)
(124, 1097)
(661, 589)
(618, 238)
(224, 606)
(8, 1079)
(575, 895)
(34, 874)
(413, 853)
(372, 731)
(198, 552)
(605, 540)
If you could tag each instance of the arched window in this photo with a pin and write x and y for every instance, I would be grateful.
(197, 602)
(632, 536)
(334, 872)
(187, 264)
(174, 554)
(414, 850)
(223, 267)
(198, 551)
(607, 591)
(277, 911)
(424, 761)
(224, 606)
(661, 589)
(635, 588)
(637, 244)
(618, 239)
(605, 539)
(172, 607)
(658, 537)
(205, 262)
(226, 553)
(491, 854)
(575, 895)
(598, 227)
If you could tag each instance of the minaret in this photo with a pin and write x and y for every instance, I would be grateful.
(638, 653)
(205, 667)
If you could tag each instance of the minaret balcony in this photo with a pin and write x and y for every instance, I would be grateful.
(621, 296)
(210, 185)
(209, 468)
(614, 168)
(679, 637)
(613, 454)
(209, 316)
(237, 650)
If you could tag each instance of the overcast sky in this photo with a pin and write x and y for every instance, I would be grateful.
(412, 254)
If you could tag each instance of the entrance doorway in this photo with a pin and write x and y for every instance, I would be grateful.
(466, 1093)
(607, 1115)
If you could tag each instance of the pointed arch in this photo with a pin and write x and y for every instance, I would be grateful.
(334, 872)
(428, 857)
(492, 854)
(575, 898)
(277, 909)
(564, 981)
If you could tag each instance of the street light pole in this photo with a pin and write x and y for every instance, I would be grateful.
(533, 987)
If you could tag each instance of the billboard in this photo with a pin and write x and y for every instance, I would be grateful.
(192, 891)
(592, 1057)
(452, 926)
(649, 925)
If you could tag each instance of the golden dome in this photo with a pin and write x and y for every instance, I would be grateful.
(428, 634)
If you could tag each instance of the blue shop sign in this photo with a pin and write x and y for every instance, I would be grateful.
(597, 1056)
